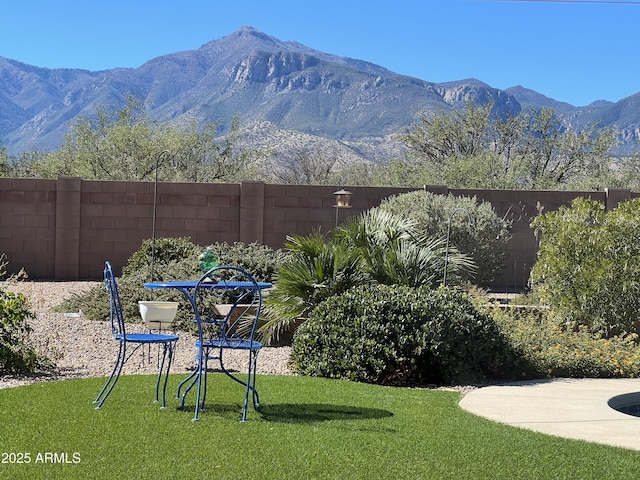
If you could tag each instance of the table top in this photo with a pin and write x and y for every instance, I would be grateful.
(191, 284)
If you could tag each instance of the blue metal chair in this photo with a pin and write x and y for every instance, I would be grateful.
(137, 339)
(227, 304)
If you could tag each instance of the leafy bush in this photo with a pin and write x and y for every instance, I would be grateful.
(167, 251)
(547, 350)
(485, 241)
(400, 335)
(17, 354)
(168, 266)
(588, 266)
(259, 260)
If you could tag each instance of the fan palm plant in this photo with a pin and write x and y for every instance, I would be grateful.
(394, 251)
(375, 247)
(314, 271)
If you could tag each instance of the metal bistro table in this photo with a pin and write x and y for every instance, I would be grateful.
(203, 345)
(188, 286)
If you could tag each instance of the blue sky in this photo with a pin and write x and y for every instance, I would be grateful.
(574, 51)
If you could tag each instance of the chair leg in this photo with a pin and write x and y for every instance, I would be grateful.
(166, 377)
(229, 374)
(193, 377)
(195, 372)
(199, 389)
(113, 378)
(246, 402)
(204, 372)
(160, 372)
(251, 384)
(200, 377)
(256, 397)
(168, 349)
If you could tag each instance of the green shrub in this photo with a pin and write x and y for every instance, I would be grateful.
(548, 350)
(485, 241)
(402, 336)
(259, 260)
(588, 266)
(17, 354)
(167, 252)
(94, 303)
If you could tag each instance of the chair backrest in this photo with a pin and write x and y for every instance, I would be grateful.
(115, 310)
(228, 304)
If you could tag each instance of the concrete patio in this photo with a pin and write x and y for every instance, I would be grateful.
(570, 408)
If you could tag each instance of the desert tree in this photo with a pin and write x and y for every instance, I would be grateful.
(5, 168)
(553, 155)
(124, 143)
(475, 148)
(304, 166)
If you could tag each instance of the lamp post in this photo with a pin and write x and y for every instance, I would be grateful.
(446, 250)
(343, 200)
(155, 201)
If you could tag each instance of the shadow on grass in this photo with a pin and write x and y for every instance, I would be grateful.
(317, 412)
(292, 412)
(230, 411)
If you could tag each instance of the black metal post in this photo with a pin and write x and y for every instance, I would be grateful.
(155, 201)
(446, 251)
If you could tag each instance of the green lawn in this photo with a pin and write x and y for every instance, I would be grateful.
(306, 428)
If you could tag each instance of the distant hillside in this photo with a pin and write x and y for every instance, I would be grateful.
(278, 89)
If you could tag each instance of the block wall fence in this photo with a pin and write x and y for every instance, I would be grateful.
(65, 229)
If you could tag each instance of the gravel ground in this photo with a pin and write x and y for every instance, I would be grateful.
(85, 348)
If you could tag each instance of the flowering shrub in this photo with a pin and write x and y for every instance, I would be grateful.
(546, 349)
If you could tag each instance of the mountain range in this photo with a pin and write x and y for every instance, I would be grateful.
(286, 95)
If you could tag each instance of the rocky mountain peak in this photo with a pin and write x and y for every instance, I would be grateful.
(263, 80)
(265, 66)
